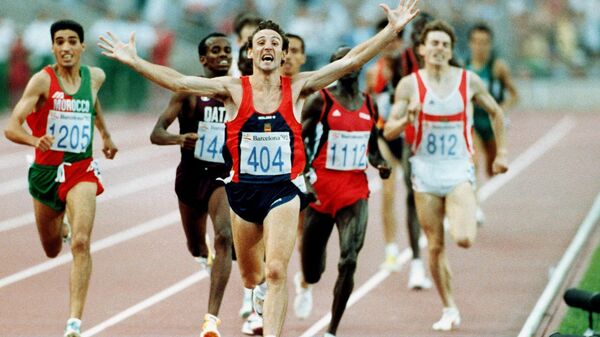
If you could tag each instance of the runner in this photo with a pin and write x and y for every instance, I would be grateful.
(264, 147)
(348, 141)
(495, 73)
(61, 108)
(438, 101)
(199, 184)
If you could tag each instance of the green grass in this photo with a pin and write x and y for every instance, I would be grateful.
(576, 320)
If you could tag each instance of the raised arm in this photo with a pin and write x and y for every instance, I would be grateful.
(401, 115)
(161, 75)
(34, 93)
(160, 135)
(485, 100)
(362, 53)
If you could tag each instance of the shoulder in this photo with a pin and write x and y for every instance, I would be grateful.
(40, 81)
(499, 68)
(97, 75)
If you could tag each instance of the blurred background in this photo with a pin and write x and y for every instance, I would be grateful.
(552, 46)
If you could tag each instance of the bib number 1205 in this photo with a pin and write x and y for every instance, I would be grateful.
(72, 131)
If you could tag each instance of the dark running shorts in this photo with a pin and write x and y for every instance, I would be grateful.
(483, 125)
(252, 202)
(194, 184)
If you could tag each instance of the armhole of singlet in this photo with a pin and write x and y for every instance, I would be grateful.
(370, 107)
(327, 102)
(421, 88)
(246, 103)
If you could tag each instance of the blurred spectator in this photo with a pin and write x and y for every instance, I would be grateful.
(38, 42)
(19, 73)
(7, 37)
(165, 38)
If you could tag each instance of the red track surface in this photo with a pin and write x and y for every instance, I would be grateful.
(530, 222)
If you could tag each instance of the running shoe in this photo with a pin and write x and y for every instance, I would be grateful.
(246, 308)
(210, 326)
(253, 325)
(303, 301)
(258, 300)
(73, 328)
(417, 279)
(390, 263)
(66, 232)
(450, 319)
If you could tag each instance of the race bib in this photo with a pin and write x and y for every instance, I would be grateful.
(444, 141)
(72, 131)
(265, 153)
(211, 138)
(347, 150)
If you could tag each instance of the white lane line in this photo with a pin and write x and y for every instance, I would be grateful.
(154, 299)
(110, 241)
(117, 191)
(558, 276)
(131, 157)
(534, 152)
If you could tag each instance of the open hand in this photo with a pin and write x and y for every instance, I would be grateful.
(399, 17)
(116, 49)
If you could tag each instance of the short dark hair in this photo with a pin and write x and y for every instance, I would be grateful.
(66, 24)
(244, 63)
(298, 37)
(481, 27)
(244, 19)
(268, 24)
(437, 26)
(202, 47)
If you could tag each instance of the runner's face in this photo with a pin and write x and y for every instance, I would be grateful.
(481, 45)
(67, 48)
(437, 49)
(266, 50)
(294, 59)
(218, 55)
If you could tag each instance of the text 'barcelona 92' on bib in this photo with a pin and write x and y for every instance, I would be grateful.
(265, 153)
(72, 131)
(211, 138)
(347, 151)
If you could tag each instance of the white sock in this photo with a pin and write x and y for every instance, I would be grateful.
(211, 317)
(391, 249)
(75, 321)
(247, 293)
(262, 288)
(327, 334)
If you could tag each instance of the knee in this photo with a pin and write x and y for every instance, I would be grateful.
(80, 244)
(223, 240)
(435, 250)
(347, 263)
(51, 249)
(275, 272)
(464, 241)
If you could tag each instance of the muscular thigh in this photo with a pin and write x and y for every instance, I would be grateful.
(352, 226)
(460, 209)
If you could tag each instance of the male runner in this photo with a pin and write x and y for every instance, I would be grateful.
(264, 147)
(495, 73)
(438, 99)
(61, 108)
(348, 141)
(199, 184)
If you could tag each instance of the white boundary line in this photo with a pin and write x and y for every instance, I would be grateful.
(117, 191)
(140, 306)
(525, 159)
(558, 276)
(131, 233)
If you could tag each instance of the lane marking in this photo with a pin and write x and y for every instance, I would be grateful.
(558, 276)
(117, 191)
(140, 306)
(110, 241)
(525, 159)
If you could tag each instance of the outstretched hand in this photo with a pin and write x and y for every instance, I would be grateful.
(116, 49)
(399, 17)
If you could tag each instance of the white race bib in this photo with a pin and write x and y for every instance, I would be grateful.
(72, 131)
(347, 150)
(211, 138)
(265, 153)
(443, 141)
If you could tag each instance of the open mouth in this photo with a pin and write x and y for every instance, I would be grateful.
(224, 63)
(268, 58)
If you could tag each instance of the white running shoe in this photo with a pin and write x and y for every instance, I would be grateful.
(66, 232)
(253, 325)
(450, 319)
(417, 279)
(246, 308)
(479, 216)
(73, 328)
(210, 326)
(390, 263)
(205, 262)
(303, 301)
(258, 300)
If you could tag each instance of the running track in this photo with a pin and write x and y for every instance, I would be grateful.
(145, 284)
